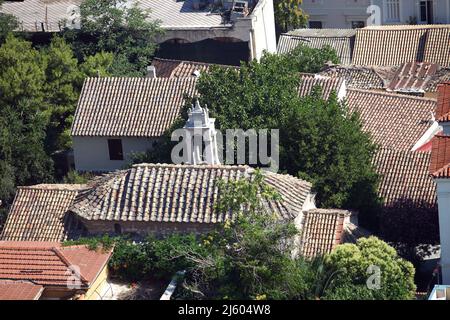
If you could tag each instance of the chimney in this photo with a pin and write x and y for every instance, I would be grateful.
(151, 72)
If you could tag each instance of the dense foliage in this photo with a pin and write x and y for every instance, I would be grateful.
(38, 94)
(117, 28)
(356, 262)
(40, 86)
(320, 141)
(8, 23)
(289, 15)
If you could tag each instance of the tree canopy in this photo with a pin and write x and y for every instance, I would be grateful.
(356, 263)
(320, 140)
(119, 28)
(288, 14)
(8, 23)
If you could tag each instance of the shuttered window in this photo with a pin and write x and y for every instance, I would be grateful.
(392, 8)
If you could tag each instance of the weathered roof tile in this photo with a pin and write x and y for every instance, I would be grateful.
(130, 107)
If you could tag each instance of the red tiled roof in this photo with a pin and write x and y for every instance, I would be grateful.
(322, 230)
(395, 121)
(440, 157)
(413, 77)
(404, 178)
(178, 193)
(168, 68)
(394, 45)
(19, 290)
(443, 105)
(39, 213)
(50, 264)
(328, 84)
(130, 107)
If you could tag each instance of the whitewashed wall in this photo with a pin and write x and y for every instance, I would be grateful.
(92, 154)
(340, 13)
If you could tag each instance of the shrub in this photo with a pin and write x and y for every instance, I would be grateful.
(352, 263)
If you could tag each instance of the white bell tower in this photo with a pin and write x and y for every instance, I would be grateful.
(201, 139)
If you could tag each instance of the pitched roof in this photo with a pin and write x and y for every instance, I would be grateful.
(410, 77)
(443, 105)
(175, 14)
(39, 213)
(322, 230)
(177, 193)
(172, 14)
(359, 77)
(168, 68)
(379, 46)
(394, 121)
(340, 40)
(19, 290)
(50, 264)
(327, 84)
(404, 178)
(32, 13)
(130, 107)
(440, 157)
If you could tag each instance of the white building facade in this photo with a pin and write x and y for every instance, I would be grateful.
(359, 13)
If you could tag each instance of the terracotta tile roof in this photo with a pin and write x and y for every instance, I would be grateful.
(39, 213)
(410, 77)
(413, 77)
(130, 107)
(168, 68)
(404, 178)
(379, 46)
(50, 264)
(440, 157)
(443, 105)
(359, 77)
(340, 40)
(177, 193)
(19, 290)
(328, 84)
(322, 230)
(394, 121)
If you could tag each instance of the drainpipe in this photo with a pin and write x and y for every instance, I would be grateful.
(252, 43)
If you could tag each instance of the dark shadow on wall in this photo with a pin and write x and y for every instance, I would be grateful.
(221, 51)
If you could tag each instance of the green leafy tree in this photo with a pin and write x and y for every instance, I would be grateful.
(355, 263)
(22, 77)
(64, 79)
(115, 27)
(22, 121)
(311, 60)
(62, 88)
(324, 143)
(248, 257)
(319, 140)
(288, 14)
(8, 23)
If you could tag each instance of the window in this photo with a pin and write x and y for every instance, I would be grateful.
(358, 24)
(315, 24)
(392, 10)
(426, 12)
(115, 149)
